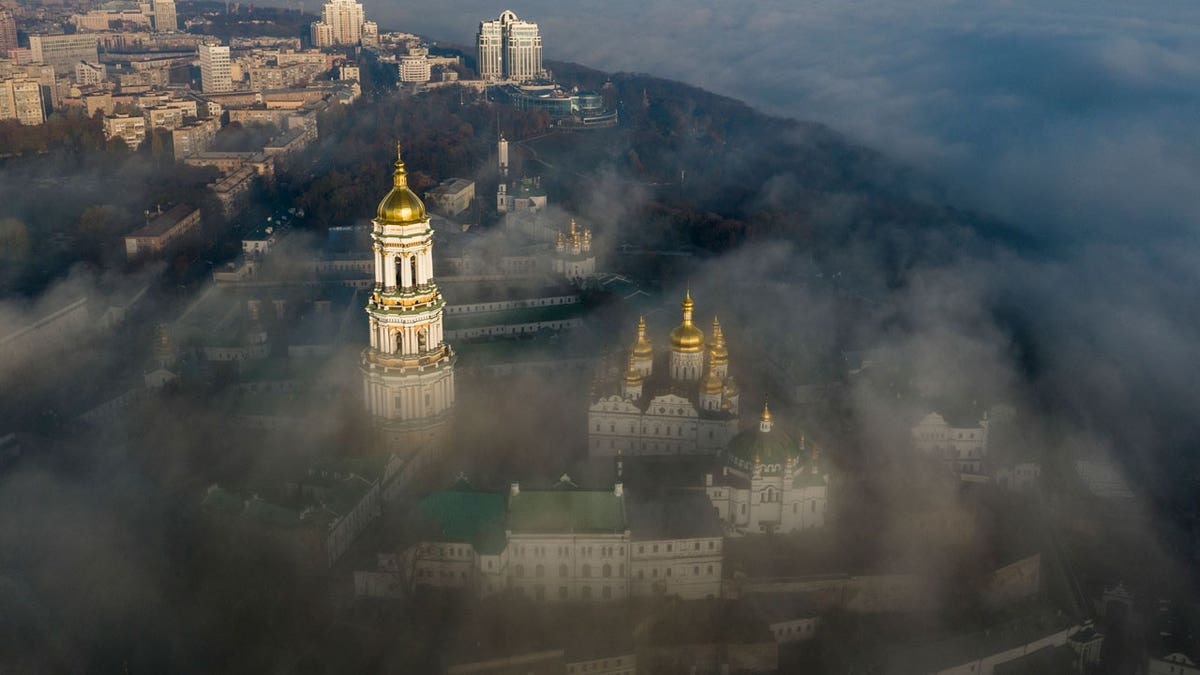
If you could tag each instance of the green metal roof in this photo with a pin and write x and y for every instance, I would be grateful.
(769, 447)
(473, 517)
(566, 511)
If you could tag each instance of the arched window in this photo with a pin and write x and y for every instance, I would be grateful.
(413, 263)
(539, 571)
(520, 571)
(563, 570)
(606, 570)
(396, 263)
(585, 571)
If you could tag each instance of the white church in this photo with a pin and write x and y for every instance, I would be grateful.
(768, 482)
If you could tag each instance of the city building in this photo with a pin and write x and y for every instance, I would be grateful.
(452, 196)
(349, 72)
(90, 73)
(370, 34)
(8, 32)
(166, 117)
(161, 230)
(768, 482)
(508, 48)
(573, 256)
(21, 100)
(682, 403)
(962, 447)
(64, 51)
(129, 128)
(194, 137)
(408, 369)
(215, 75)
(116, 15)
(415, 67)
(321, 34)
(341, 24)
(165, 19)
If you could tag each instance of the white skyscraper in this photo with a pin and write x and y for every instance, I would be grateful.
(345, 21)
(214, 69)
(509, 48)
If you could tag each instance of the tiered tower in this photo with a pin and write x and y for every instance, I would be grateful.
(408, 371)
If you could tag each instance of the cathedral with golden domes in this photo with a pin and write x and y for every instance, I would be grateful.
(682, 402)
(408, 369)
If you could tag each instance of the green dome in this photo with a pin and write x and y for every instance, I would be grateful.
(768, 447)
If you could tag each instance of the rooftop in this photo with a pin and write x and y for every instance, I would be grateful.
(566, 510)
(163, 222)
(677, 514)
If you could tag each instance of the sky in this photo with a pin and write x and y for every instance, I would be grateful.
(1070, 118)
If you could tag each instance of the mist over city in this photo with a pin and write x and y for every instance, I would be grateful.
(812, 337)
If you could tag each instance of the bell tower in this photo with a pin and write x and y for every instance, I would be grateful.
(408, 369)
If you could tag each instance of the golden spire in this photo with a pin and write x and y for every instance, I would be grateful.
(642, 349)
(686, 337)
(766, 413)
(718, 354)
(712, 383)
(400, 177)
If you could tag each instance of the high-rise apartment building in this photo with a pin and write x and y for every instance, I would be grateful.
(489, 50)
(509, 48)
(64, 51)
(8, 32)
(341, 24)
(321, 34)
(215, 69)
(165, 20)
(21, 100)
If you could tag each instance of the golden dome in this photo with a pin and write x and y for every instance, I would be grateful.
(633, 377)
(642, 349)
(401, 206)
(718, 354)
(712, 383)
(686, 337)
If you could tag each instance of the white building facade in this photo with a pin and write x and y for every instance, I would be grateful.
(558, 545)
(962, 448)
(215, 69)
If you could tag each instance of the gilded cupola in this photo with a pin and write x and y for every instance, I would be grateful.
(401, 206)
(687, 338)
(642, 349)
(712, 383)
(718, 354)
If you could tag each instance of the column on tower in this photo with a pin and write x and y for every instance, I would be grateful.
(406, 281)
(389, 273)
